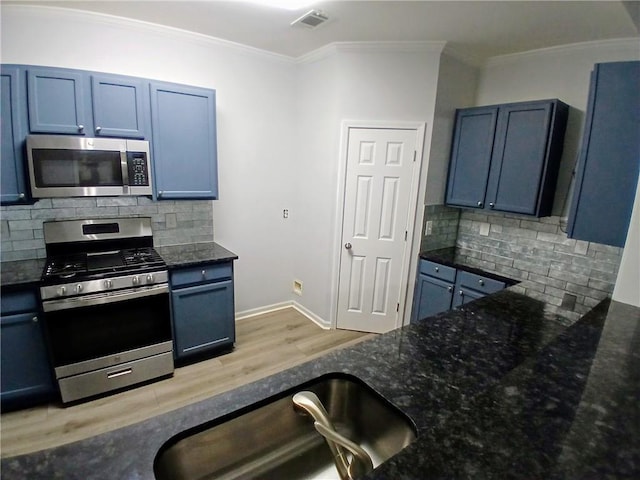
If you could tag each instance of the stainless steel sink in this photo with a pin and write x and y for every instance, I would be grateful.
(274, 440)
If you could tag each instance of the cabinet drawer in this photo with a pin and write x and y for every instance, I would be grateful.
(479, 283)
(15, 302)
(201, 273)
(112, 378)
(438, 271)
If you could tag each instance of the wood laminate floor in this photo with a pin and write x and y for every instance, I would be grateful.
(265, 344)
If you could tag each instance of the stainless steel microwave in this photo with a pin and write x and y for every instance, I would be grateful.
(66, 166)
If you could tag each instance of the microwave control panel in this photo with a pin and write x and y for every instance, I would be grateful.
(138, 169)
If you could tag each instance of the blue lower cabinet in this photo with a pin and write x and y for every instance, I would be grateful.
(432, 297)
(465, 295)
(440, 288)
(203, 315)
(26, 376)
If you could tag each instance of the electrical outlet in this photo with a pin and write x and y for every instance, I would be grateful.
(297, 287)
(285, 213)
(428, 227)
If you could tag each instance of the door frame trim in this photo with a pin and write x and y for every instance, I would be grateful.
(413, 240)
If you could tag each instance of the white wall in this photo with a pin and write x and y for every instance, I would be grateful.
(256, 115)
(564, 73)
(390, 82)
(279, 123)
(627, 288)
(457, 85)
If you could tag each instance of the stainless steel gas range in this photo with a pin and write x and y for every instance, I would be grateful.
(105, 298)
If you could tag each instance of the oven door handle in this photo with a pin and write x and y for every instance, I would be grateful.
(101, 299)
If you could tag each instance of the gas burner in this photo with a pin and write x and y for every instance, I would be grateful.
(65, 267)
(141, 256)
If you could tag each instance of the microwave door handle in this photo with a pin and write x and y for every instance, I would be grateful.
(124, 167)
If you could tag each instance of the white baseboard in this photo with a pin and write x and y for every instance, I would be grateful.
(281, 306)
(262, 310)
(312, 316)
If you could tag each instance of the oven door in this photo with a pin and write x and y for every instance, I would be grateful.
(101, 330)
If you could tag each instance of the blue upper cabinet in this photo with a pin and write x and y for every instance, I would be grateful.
(118, 106)
(184, 141)
(471, 156)
(609, 161)
(13, 187)
(56, 99)
(506, 157)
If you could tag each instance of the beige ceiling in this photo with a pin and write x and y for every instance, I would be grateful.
(479, 29)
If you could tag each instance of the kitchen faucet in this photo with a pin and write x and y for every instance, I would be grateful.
(360, 463)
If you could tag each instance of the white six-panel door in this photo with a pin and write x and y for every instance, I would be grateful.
(378, 192)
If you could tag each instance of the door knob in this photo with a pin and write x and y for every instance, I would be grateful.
(347, 246)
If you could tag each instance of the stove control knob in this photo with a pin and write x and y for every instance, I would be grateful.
(78, 288)
(62, 291)
(150, 278)
(135, 280)
(108, 284)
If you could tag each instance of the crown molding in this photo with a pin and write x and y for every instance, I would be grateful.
(618, 43)
(371, 47)
(58, 13)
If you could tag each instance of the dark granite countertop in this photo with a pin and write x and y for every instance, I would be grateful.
(496, 389)
(21, 273)
(446, 256)
(194, 254)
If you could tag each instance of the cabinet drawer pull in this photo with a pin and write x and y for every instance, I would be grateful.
(491, 204)
(437, 269)
(204, 273)
(461, 293)
(34, 319)
(480, 204)
(450, 289)
(80, 128)
(481, 282)
(120, 373)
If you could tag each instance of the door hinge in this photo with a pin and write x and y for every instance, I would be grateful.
(406, 232)
(397, 307)
(415, 154)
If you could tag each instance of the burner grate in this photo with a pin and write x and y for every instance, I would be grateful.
(141, 256)
(66, 266)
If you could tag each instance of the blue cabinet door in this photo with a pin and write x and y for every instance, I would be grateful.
(464, 295)
(518, 160)
(203, 318)
(56, 101)
(432, 296)
(184, 141)
(26, 373)
(609, 161)
(118, 106)
(506, 157)
(471, 156)
(13, 186)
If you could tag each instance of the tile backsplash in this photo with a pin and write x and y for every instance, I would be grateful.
(444, 227)
(570, 275)
(173, 222)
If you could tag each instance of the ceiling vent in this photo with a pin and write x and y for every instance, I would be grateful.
(311, 19)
